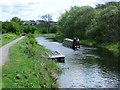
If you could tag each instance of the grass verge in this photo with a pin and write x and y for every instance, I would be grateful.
(88, 42)
(54, 37)
(0, 77)
(48, 36)
(112, 47)
(28, 66)
(6, 38)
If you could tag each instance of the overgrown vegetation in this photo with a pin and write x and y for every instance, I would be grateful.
(17, 27)
(6, 38)
(0, 77)
(112, 47)
(48, 36)
(28, 66)
(99, 24)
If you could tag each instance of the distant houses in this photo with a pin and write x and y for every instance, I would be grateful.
(29, 22)
(42, 22)
(26, 23)
(37, 22)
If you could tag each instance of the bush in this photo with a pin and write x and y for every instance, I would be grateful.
(29, 51)
(53, 29)
(6, 38)
(31, 39)
(29, 45)
(44, 31)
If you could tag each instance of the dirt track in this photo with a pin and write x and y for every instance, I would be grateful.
(4, 51)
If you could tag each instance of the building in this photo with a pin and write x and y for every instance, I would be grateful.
(41, 22)
(32, 22)
(29, 22)
(26, 22)
(38, 22)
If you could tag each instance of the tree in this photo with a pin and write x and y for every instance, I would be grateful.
(100, 24)
(14, 26)
(5, 27)
(0, 27)
(104, 25)
(29, 29)
(53, 29)
(10, 27)
(47, 18)
(17, 20)
(73, 23)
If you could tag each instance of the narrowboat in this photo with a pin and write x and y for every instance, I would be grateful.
(69, 43)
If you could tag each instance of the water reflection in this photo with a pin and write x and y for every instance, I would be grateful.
(87, 67)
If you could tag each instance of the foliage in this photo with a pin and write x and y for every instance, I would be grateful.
(30, 44)
(73, 23)
(29, 29)
(53, 29)
(59, 37)
(16, 26)
(10, 27)
(17, 20)
(47, 18)
(48, 36)
(104, 27)
(94, 26)
(6, 38)
(88, 42)
(40, 29)
(0, 27)
(99, 24)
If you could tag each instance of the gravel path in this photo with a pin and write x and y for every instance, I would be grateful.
(4, 50)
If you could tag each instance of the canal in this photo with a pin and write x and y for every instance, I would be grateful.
(87, 67)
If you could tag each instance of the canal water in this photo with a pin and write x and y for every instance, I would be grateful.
(85, 68)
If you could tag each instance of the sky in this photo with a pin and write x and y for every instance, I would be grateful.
(34, 9)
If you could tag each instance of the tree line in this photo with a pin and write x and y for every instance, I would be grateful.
(16, 26)
(101, 24)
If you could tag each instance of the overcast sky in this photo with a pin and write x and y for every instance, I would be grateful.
(34, 9)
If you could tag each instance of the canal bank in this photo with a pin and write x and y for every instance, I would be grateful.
(113, 48)
(28, 66)
(85, 68)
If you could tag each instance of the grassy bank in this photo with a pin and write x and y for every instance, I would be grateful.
(28, 66)
(112, 47)
(54, 36)
(48, 36)
(0, 77)
(6, 38)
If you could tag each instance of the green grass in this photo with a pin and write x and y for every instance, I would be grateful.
(6, 38)
(0, 77)
(54, 36)
(88, 42)
(48, 36)
(28, 69)
(113, 47)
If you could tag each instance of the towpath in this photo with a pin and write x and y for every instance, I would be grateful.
(4, 50)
